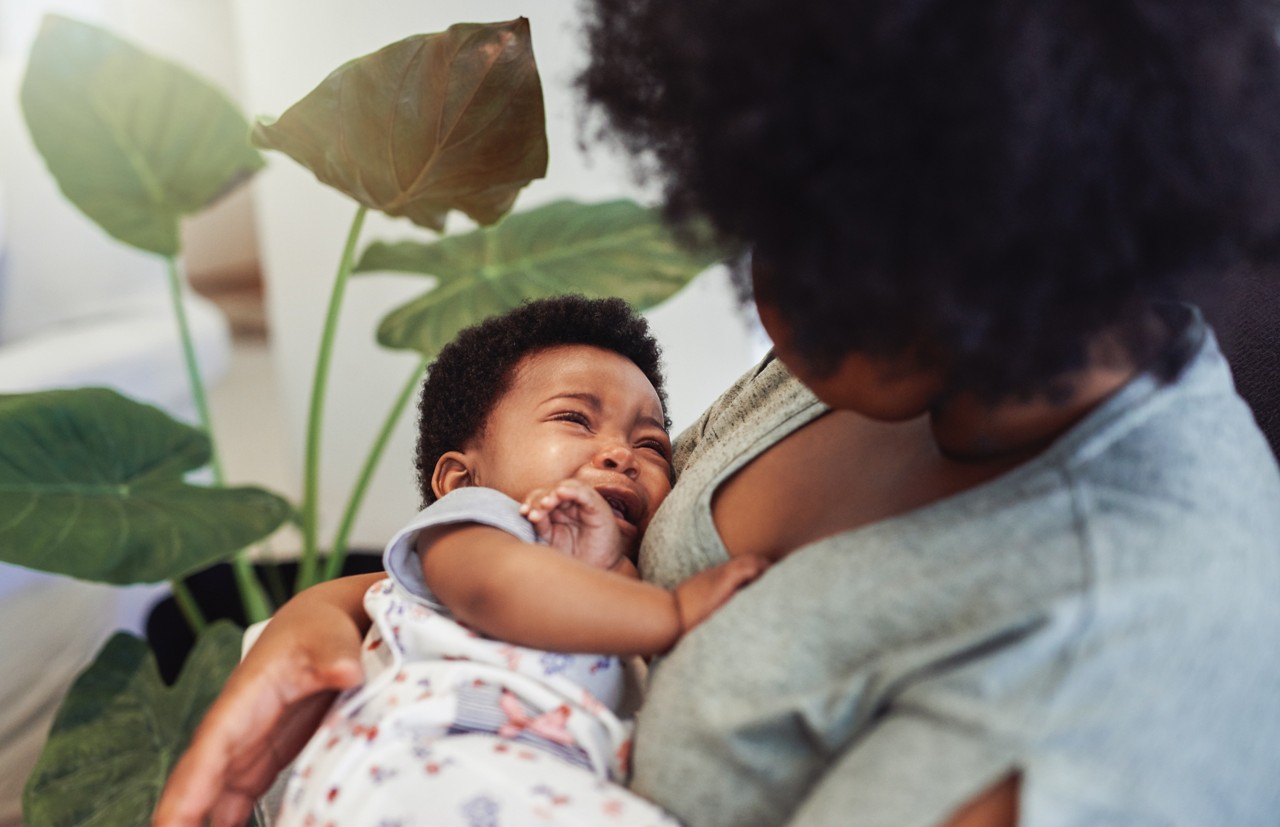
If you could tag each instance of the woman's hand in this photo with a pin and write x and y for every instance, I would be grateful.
(573, 518)
(272, 703)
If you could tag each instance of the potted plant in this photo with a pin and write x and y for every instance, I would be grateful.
(95, 486)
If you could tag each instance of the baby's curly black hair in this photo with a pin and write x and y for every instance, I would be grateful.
(474, 370)
(987, 181)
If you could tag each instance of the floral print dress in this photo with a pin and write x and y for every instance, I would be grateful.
(454, 728)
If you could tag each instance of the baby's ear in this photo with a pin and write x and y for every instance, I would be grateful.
(453, 471)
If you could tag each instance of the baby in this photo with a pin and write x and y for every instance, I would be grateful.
(493, 689)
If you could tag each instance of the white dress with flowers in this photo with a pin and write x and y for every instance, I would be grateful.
(453, 728)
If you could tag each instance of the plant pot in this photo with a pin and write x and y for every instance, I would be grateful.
(214, 591)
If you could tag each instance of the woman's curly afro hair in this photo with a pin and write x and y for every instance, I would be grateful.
(985, 181)
(474, 370)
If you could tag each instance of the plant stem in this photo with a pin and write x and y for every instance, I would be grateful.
(338, 551)
(315, 414)
(255, 603)
(193, 367)
(188, 606)
(274, 584)
(490, 245)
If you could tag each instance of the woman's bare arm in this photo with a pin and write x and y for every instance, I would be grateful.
(270, 706)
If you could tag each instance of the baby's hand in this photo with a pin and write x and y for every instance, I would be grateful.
(573, 518)
(708, 590)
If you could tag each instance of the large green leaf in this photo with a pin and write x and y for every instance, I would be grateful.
(616, 248)
(432, 123)
(120, 731)
(91, 485)
(134, 141)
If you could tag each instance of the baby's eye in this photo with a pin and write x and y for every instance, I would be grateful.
(574, 417)
(654, 445)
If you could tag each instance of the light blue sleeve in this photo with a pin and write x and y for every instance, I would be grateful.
(485, 506)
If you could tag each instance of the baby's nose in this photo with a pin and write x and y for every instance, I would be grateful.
(617, 457)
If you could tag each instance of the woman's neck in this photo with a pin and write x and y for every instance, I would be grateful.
(969, 430)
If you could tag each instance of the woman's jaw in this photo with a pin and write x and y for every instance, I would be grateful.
(964, 427)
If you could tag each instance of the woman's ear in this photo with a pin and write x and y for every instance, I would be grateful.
(453, 471)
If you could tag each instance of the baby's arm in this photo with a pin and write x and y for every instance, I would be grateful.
(534, 595)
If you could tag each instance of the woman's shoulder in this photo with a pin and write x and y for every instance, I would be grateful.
(765, 404)
(761, 398)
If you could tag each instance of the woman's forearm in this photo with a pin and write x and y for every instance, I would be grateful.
(343, 596)
(271, 705)
(346, 594)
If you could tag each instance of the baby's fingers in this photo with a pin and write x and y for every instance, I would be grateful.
(744, 569)
(579, 493)
(530, 502)
(537, 508)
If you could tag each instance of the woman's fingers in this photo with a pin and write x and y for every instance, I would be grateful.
(226, 760)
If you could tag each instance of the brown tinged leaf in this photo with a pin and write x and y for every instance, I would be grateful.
(432, 123)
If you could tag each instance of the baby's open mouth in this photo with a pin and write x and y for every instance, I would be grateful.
(618, 506)
(623, 509)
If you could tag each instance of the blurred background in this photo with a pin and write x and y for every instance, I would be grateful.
(77, 307)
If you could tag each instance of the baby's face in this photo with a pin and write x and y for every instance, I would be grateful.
(575, 411)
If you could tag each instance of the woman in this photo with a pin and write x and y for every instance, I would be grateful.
(1024, 529)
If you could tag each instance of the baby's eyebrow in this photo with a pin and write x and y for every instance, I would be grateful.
(653, 422)
(587, 397)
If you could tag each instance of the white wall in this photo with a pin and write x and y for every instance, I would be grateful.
(61, 266)
(60, 275)
(286, 48)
